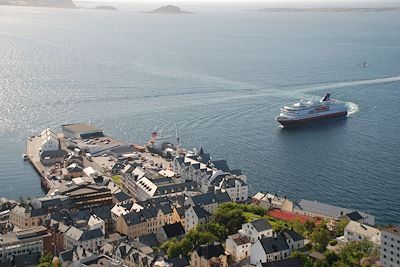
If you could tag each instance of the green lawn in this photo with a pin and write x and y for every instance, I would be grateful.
(117, 179)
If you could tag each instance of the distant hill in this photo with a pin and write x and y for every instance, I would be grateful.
(40, 3)
(105, 7)
(170, 9)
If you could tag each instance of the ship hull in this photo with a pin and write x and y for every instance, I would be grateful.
(303, 121)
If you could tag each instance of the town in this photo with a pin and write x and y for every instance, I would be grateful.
(111, 203)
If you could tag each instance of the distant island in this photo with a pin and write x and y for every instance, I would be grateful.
(169, 9)
(39, 3)
(330, 9)
(105, 8)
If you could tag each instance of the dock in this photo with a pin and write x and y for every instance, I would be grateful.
(33, 144)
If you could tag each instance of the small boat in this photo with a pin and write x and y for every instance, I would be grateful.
(306, 111)
(24, 156)
(365, 65)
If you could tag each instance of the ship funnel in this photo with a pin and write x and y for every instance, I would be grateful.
(327, 97)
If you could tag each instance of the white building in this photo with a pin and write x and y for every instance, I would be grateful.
(256, 229)
(235, 186)
(390, 247)
(89, 239)
(194, 216)
(270, 201)
(96, 222)
(49, 140)
(238, 246)
(268, 249)
(355, 231)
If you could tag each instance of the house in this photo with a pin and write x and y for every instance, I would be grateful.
(209, 255)
(169, 231)
(235, 186)
(268, 249)
(51, 157)
(317, 209)
(238, 247)
(352, 216)
(96, 222)
(270, 201)
(355, 231)
(256, 229)
(121, 197)
(89, 239)
(27, 217)
(208, 201)
(132, 225)
(130, 256)
(390, 247)
(293, 239)
(194, 216)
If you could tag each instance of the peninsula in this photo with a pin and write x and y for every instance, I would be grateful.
(39, 3)
(113, 203)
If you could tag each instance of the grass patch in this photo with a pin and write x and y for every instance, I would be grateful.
(117, 179)
(251, 216)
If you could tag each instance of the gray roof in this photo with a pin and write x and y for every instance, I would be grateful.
(134, 218)
(53, 154)
(173, 230)
(80, 127)
(200, 212)
(149, 240)
(220, 165)
(274, 244)
(121, 196)
(321, 208)
(261, 225)
(174, 188)
(292, 234)
(209, 251)
(211, 197)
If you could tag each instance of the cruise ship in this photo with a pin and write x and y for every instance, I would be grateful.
(306, 111)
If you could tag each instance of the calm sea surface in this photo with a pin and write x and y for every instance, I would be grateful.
(222, 78)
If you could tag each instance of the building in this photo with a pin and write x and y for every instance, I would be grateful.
(355, 231)
(90, 239)
(209, 201)
(81, 131)
(150, 188)
(291, 262)
(238, 247)
(256, 229)
(317, 209)
(49, 140)
(87, 195)
(270, 201)
(169, 231)
(194, 216)
(390, 247)
(293, 239)
(132, 225)
(30, 240)
(268, 249)
(27, 217)
(209, 255)
(235, 186)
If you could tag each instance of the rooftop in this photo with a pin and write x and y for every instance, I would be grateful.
(80, 128)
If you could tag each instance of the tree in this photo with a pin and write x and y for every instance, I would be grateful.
(352, 253)
(231, 216)
(331, 257)
(320, 238)
(339, 229)
(216, 229)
